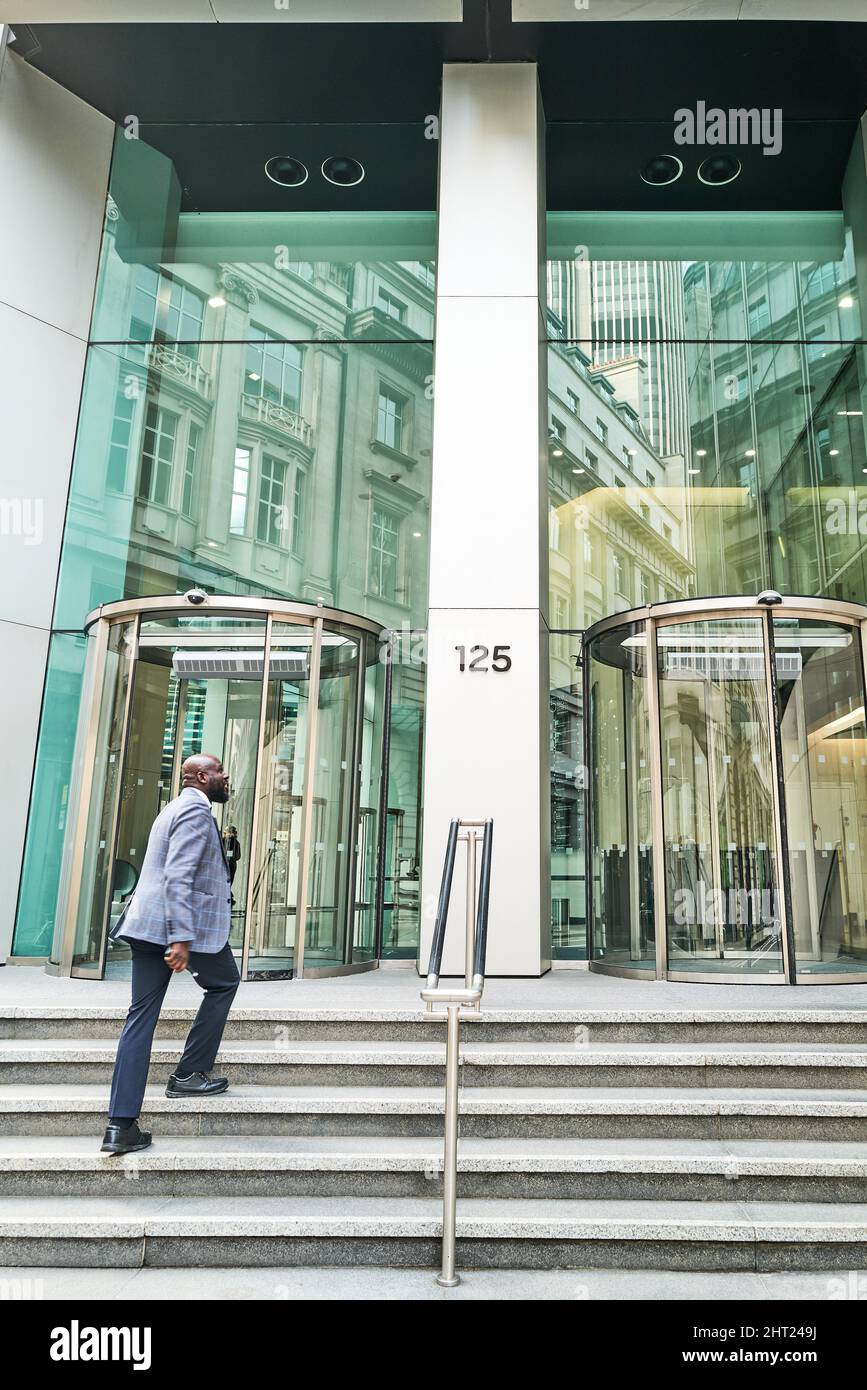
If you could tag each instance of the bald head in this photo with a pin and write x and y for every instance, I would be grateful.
(205, 772)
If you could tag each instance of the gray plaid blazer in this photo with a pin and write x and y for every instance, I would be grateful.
(183, 891)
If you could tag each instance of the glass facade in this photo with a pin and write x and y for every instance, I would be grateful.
(255, 421)
(706, 383)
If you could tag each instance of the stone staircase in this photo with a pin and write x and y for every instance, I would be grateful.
(641, 1139)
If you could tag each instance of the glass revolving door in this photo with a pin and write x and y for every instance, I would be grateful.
(291, 698)
(727, 823)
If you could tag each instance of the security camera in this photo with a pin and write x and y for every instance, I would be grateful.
(769, 598)
(196, 596)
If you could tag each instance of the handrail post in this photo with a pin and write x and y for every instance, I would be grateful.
(447, 1276)
(469, 948)
(455, 999)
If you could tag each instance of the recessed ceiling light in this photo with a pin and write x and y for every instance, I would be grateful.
(254, 376)
(850, 412)
(751, 453)
(287, 171)
(416, 535)
(720, 169)
(847, 302)
(342, 170)
(701, 453)
(661, 170)
(693, 472)
(833, 453)
(558, 453)
(577, 470)
(217, 301)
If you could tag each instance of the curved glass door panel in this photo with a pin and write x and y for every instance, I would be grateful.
(820, 681)
(621, 861)
(718, 798)
(197, 689)
(95, 875)
(369, 792)
(275, 886)
(330, 862)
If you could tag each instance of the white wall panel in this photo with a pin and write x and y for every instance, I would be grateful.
(54, 159)
(55, 153)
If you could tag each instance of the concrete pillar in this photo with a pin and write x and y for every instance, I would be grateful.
(54, 161)
(486, 742)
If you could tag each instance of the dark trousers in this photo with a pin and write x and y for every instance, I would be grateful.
(216, 974)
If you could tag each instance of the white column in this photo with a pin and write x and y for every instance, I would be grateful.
(486, 736)
(54, 160)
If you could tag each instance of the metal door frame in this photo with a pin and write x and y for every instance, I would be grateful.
(314, 616)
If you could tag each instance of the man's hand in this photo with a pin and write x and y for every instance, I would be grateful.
(178, 955)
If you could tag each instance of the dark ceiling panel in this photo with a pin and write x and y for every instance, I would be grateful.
(221, 168)
(596, 167)
(627, 78)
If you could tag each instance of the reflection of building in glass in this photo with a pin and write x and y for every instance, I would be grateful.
(627, 310)
(777, 429)
(616, 528)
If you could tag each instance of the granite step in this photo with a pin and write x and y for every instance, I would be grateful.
(542, 1112)
(827, 1025)
(513, 1233)
(378, 1063)
(350, 1165)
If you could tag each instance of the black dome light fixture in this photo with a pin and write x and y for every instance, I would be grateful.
(342, 170)
(286, 170)
(662, 169)
(719, 170)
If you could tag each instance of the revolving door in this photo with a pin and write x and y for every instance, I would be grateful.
(292, 698)
(726, 749)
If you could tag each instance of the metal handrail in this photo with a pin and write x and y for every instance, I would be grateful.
(454, 999)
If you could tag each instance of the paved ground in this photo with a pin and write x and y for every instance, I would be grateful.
(398, 987)
(412, 1285)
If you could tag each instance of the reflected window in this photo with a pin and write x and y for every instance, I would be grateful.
(391, 306)
(273, 369)
(165, 310)
(303, 269)
(297, 510)
(194, 438)
(240, 492)
(270, 521)
(384, 552)
(158, 453)
(390, 418)
(573, 401)
(820, 280)
(602, 430)
(121, 429)
(760, 315)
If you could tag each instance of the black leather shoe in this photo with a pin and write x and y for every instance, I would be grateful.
(118, 1140)
(199, 1084)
